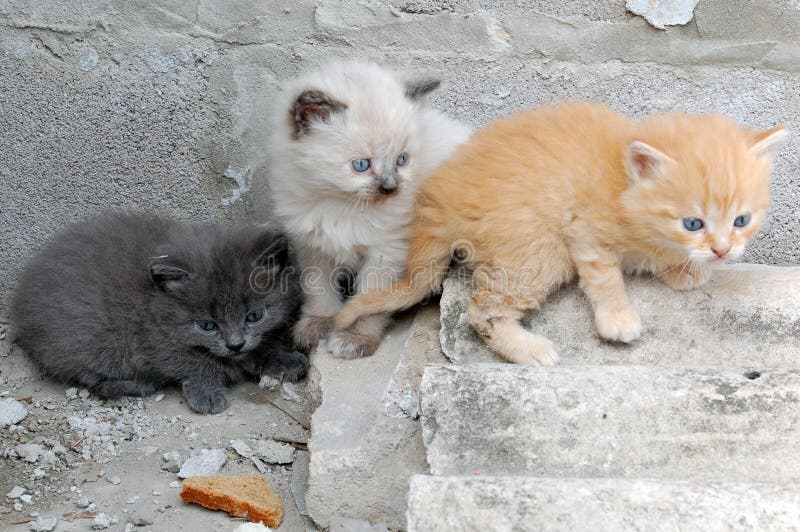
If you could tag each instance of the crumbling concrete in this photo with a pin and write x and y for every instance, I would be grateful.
(442, 504)
(746, 315)
(366, 440)
(703, 423)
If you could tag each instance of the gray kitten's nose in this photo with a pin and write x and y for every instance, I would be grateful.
(235, 347)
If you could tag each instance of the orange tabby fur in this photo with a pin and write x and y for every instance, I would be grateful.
(573, 189)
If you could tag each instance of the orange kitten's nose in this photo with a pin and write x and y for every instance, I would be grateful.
(721, 252)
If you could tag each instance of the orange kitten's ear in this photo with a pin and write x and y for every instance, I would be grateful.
(767, 142)
(644, 161)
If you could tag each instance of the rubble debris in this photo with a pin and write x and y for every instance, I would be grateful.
(206, 462)
(11, 412)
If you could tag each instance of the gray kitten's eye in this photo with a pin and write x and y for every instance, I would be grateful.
(255, 316)
(205, 325)
(402, 159)
(360, 165)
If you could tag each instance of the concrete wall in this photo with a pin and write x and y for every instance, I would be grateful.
(162, 105)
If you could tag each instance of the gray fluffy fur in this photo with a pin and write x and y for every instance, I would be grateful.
(112, 304)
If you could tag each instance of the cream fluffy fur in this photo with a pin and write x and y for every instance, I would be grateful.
(337, 217)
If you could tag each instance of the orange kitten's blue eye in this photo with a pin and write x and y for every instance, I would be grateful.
(402, 159)
(742, 220)
(692, 224)
(206, 325)
(360, 165)
(255, 317)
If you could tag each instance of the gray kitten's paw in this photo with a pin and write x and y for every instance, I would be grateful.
(309, 330)
(206, 400)
(291, 366)
(349, 344)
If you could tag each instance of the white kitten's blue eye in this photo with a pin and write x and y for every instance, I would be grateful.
(360, 165)
(742, 220)
(402, 159)
(255, 316)
(692, 224)
(207, 326)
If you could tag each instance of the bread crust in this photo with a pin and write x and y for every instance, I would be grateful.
(248, 496)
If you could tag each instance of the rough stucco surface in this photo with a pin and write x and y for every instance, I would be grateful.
(163, 106)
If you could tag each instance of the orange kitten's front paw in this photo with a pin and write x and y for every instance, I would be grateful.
(689, 278)
(352, 344)
(309, 330)
(618, 324)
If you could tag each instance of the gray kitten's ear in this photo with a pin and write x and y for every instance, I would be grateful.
(418, 88)
(167, 275)
(275, 254)
(312, 106)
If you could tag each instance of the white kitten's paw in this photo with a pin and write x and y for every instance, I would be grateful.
(618, 324)
(351, 344)
(309, 330)
(692, 277)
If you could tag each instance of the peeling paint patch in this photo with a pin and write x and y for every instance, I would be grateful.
(89, 60)
(663, 13)
(497, 33)
(16, 48)
(158, 62)
(242, 179)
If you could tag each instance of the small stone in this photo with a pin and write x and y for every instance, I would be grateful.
(157, 493)
(30, 452)
(38, 473)
(113, 480)
(132, 500)
(101, 521)
(129, 527)
(252, 527)
(269, 382)
(241, 448)
(83, 502)
(84, 394)
(27, 499)
(43, 524)
(159, 397)
(206, 462)
(11, 412)
(17, 506)
(71, 393)
(175, 484)
(291, 392)
(15, 492)
(274, 452)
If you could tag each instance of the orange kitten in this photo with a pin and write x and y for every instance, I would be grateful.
(543, 196)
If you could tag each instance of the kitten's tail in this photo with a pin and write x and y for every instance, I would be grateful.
(428, 258)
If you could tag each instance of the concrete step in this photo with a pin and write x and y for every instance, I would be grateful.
(747, 314)
(697, 423)
(366, 440)
(526, 503)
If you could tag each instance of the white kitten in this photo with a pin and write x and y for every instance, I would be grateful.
(351, 144)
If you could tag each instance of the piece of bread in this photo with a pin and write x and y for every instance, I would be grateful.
(250, 497)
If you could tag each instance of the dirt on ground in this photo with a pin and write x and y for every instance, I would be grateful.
(93, 464)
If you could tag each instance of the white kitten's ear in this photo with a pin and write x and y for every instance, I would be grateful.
(312, 106)
(767, 142)
(418, 88)
(166, 274)
(645, 162)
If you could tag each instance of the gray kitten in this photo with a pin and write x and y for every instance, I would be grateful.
(127, 303)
